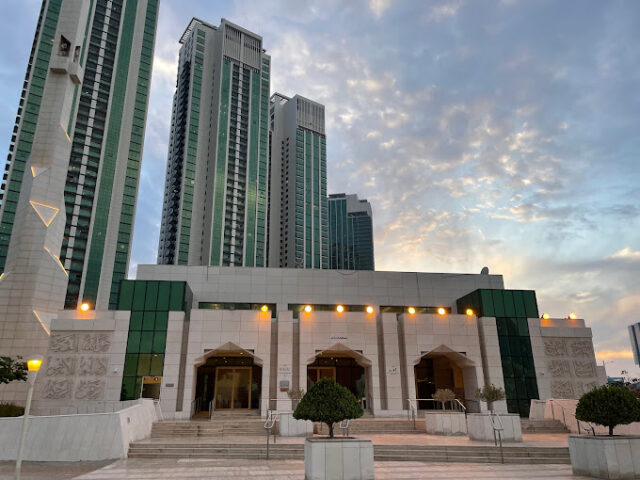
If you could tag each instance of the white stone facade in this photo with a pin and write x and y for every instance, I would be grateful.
(387, 344)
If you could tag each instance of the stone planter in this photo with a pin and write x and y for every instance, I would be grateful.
(480, 428)
(445, 422)
(605, 456)
(339, 458)
(290, 427)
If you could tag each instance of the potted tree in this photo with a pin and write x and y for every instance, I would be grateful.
(607, 456)
(481, 426)
(334, 457)
(445, 422)
(289, 426)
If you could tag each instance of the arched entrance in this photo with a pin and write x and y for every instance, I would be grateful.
(443, 368)
(228, 378)
(343, 365)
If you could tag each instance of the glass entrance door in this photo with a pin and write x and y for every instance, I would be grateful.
(314, 374)
(233, 387)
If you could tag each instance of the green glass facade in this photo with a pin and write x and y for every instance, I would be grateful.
(350, 236)
(26, 121)
(511, 309)
(149, 303)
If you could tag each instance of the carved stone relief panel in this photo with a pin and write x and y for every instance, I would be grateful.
(581, 348)
(90, 390)
(95, 342)
(93, 366)
(559, 368)
(562, 389)
(57, 389)
(584, 368)
(63, 342)
(61, 366)
(555, 347)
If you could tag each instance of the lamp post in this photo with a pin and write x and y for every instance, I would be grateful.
(33, 366)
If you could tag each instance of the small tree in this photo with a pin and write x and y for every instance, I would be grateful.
(11, 369)
(443, 395)
(329, 403)
(609, 405)
(490, 394)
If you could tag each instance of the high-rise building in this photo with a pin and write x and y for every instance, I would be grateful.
(634, 336)
(105, 131)
(298, 233)
(216, 191)
(350, 233)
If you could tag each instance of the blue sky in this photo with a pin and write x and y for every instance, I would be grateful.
(498, 133)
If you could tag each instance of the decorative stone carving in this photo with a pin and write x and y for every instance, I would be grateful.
(63, 342)
(98, 343)
(581, 348)
(587, 387)
(555, 347)
(559, 368)
(562, 389)
(90, 390)
(95, 366)
(57, 389)
(584, 368)
(61, 366)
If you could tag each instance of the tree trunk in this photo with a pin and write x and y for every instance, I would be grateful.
(611, 427)
(330, 430)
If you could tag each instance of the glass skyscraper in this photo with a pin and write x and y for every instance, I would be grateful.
(216, 191)
(105, 126)
(350, 233)
(299, 216)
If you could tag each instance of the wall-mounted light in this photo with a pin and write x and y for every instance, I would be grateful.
(411, 310)
(572, 316)
(265, 308)
(546, 316)
(85, 307)
(369, 309)
(441, 311)
(469, 312)
(308, 308)
(340, 308)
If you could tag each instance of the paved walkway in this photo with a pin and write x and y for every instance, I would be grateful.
(49, 470)
(196, 469)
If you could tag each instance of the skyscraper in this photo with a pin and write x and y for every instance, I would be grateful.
(350, 233)
(634, 336)
(216, 191)
(105, 127)
(298, 234)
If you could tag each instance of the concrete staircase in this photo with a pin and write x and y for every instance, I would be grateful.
(218, 426)
(414, 453)
(378, 426)
(542, 426)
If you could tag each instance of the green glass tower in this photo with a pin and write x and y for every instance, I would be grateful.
(216, 191)
(350, 233)
(106, 130)
(298, 235)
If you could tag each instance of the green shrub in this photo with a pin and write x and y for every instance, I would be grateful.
(609, 406)
(10, 410)
(12, 369)
(329, 403)
(490, 394)
(443, 395)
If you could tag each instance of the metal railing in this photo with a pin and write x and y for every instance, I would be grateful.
(412, 411)
(212, 407)
(344, 425)
(588, 428)
(499, 428)
(269, 424)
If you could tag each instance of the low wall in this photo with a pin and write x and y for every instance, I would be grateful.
(565, 412)
(71, 438)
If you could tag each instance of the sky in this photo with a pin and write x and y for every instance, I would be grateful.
(496, 133)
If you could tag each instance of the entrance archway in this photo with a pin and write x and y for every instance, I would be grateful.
(343, 365)
(443, 368)
(228, 378)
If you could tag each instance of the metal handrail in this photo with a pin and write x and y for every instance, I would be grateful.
(459, 404)
(345, 427)
(589, 428)
(500, 429)
(211, 408)
(411, 412)
(270, 422)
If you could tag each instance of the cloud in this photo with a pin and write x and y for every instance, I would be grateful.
(627, 254)
(613, 354)
(378, 7)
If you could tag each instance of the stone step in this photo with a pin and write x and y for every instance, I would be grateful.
(461, 454)
(542, 426)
